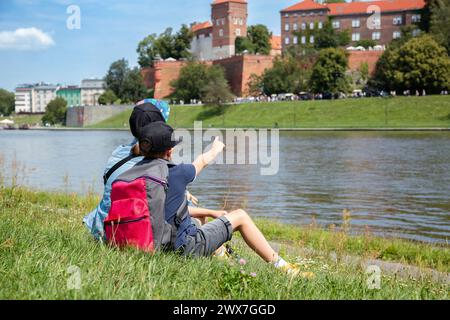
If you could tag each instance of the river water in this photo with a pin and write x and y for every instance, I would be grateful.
(393, 183)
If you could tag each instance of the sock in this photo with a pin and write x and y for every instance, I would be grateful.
(280, 263)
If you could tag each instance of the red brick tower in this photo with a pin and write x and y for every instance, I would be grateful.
(229, 19)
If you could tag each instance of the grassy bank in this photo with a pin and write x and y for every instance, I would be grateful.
(399, 112)
(31, 119)
(42, 242)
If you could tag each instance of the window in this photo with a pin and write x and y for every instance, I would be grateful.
(396, 34)
(356, 36)
(223, 21)
(303, 26)
(238, 32)
(295, 40)
(320, 25)
(311, 25)
(376, 23)
(286, 27)
(235, 21)
(241, 21)
(303, 40)
(376, 35)
(295, 26)
(415, 18)
(218, 22)
(397, 20)
(416, 32)
(286, 40)
(311, 39)
(336, 24)
(221, 32)
(356, 23)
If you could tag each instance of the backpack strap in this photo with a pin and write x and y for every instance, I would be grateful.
(117, 166)
(182, 213)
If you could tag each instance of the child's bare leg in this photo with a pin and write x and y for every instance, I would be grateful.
(242, 222)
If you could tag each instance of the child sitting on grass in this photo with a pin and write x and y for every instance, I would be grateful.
(191, 240)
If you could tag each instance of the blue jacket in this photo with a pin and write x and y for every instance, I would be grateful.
(94, 220)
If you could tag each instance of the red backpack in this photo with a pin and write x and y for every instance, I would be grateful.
(137, 216)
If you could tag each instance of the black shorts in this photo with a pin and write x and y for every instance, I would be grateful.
(208, 238)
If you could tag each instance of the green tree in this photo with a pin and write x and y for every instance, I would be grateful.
(133, 87)
(127, 84)
(108, 97)
(329, 72)
(286, 76)
(421, 63)
(199, 81)
(7, 102)
(366, 43)
(55, 112)
(166, 45)
(440, 22)
(257, 40)
(217, 91)
(115, 78)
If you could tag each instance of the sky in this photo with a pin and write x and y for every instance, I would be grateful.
(37, 45)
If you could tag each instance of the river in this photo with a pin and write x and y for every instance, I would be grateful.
(393, 183)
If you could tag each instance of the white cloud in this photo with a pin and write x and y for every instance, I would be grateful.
(25, 39)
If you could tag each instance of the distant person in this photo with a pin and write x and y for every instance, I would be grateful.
(156, 144)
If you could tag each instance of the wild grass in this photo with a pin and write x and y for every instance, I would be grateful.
(45, 250)
(398, 112)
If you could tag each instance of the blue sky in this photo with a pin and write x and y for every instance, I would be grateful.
(44, 49)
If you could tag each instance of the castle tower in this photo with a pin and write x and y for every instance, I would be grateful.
(229, 19)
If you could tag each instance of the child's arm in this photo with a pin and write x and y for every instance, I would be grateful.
(205, 159)
(200, 213)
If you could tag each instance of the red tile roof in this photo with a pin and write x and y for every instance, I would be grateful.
(358, 7)
(201, 26)
(385, 6)
(275, 42)
(305, 5)
(224, 1)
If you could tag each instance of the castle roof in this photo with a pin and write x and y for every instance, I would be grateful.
(385, 6)
(201, 26)
(275, 42)
(305, 5)
(358, 7)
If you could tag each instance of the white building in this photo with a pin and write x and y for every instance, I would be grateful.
(34, 98)
(42, 95)
(91, 90)
(24, 99)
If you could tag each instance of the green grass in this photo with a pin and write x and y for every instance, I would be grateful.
(399, 112)
(41, 237)
(30, 119)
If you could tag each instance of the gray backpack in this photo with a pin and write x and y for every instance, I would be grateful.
(137, 214)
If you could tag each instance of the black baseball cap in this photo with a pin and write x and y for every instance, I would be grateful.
(142, 115)
(157, 137)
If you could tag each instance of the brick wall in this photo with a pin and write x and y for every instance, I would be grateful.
(161, 75)
(357, 57)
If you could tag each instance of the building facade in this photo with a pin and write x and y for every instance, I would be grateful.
(215, 39)
(91, 90)
(42, 95)
(380, 21)
(33, 98)
(24, 99)
(72, 94)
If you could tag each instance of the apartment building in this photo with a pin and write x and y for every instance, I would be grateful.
(91, 90)
(380, 21)
(33, 98)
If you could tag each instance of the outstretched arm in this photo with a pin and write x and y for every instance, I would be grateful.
(206, 158)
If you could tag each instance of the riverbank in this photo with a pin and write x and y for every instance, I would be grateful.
(407, 113)
(42, 242)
